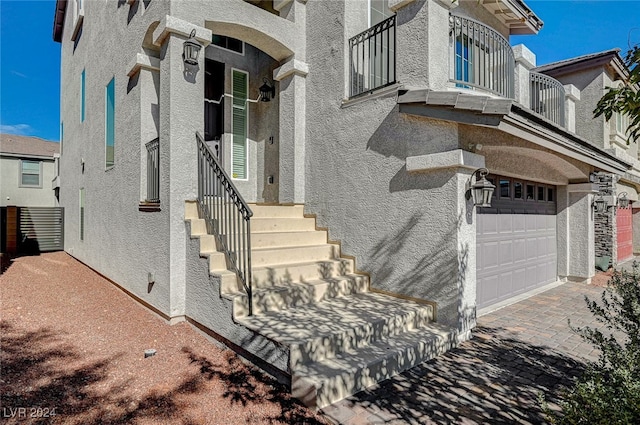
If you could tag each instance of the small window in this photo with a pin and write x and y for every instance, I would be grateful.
(518, 192)
(228, 43)
(530, 192)
(82, 94)
(551, 197)
(505, 188)
(378, 11)
(30, 173)
(82, 214)
(110, 123)
(540, 193)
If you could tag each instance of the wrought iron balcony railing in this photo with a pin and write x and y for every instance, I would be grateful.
(481, 57)
(372, 57)
(547, 97)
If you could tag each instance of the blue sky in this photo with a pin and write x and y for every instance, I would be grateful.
(30, 59)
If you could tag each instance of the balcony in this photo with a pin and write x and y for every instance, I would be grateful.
(372, 57)
(547, 97)
(481, 57)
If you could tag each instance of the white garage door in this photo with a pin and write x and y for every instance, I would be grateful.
(516, 242)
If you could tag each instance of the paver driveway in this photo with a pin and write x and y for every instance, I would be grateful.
(517, 353)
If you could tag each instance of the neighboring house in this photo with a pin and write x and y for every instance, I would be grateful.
(27, 170)
(617, 228)
(382, 112)
(29, 185)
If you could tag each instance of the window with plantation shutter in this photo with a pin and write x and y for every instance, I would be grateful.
(82, 213)
(239, 124)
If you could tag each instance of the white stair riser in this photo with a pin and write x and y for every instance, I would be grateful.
(190, 210)
(287, 273)
(277, 211)
(303, 254)
(198, 227)
(282, 224)
(284, 239)
(217, 262)
(297, 295)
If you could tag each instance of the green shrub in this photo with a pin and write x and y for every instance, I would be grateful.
(608, 392)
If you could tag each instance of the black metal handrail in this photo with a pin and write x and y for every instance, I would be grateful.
(227, 215)
(153, 170)
(481, 57)
(372, 57)
(547, 97)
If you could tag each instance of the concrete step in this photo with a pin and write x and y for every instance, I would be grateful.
(279, 298)
(316, 332)
(322, 383)
(293, 254)
(282, 224)
(190, 210)
(281, 274)
(198, 227)
(277, 211)
(283, 239)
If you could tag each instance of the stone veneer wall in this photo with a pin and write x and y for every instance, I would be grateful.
(604, 222)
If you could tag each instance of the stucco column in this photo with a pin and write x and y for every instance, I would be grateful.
(571, 96)
(466, 232)
(579, 246)
(181, 115)
(292, 78)
(423, 57)
(525, 60)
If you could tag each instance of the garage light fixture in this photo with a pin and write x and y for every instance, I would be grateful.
(623, 200)
(600, 204)
(481, 190)
(191, 49)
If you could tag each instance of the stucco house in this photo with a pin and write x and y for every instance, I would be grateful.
(28, 167)
(29, 187)
(301, 187)
(617, 228)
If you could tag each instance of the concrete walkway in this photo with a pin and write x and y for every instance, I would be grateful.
(516, 354)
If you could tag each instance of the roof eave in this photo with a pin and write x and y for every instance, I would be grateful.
(58, 20)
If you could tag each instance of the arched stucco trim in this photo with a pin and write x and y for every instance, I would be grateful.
(267, 42)
(535, 164)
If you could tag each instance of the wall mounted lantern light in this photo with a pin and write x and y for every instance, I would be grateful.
(623, 200)
(267, 91)
(600, 204)
(481, 190)
(191, 49)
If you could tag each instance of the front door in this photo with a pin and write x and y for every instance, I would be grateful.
(214, 105)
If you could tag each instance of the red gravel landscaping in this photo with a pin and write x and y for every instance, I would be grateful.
(72, 352)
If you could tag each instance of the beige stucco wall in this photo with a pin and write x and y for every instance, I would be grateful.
(11, 192)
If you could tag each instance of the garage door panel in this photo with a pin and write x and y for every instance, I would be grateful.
(490, 255)
(516, 253)
(519, 223)
(504, 224)
(519, 280)
(505, 253)
(519, 250)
